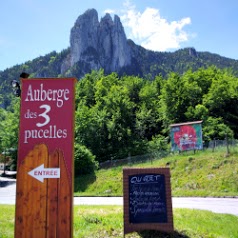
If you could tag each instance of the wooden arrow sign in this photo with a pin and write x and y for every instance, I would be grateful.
(40, 173)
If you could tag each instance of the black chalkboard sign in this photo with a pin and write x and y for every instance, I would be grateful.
(147, 198)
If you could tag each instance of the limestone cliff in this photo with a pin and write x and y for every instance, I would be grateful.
(98, 44)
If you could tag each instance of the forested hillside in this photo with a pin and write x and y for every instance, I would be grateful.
(117, 116)
(145, 64)
(43, 66)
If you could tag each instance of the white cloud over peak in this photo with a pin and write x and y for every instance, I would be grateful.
(110, 11)
(152, 31)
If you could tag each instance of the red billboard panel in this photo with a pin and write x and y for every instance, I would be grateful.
(44, 198)
(186, 136)
(47, 107)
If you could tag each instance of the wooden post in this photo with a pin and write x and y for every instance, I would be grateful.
(227, 146)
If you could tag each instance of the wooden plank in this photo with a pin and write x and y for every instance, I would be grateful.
(52, 200)
(44, 209)
(65, 201)
(21, 199)
(39, 192)
(31, 196)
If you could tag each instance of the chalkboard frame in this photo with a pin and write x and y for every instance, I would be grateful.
(139, 225)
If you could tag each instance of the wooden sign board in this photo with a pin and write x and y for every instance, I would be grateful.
(147, 199)
(44, 196)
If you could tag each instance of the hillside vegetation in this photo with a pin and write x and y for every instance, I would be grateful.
(205, 173)
(128, 115)
(145, 64)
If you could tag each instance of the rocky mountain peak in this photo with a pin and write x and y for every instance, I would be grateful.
(90, 15)
(83, 34)
(98, 44)
(192, 52)
(107, 19)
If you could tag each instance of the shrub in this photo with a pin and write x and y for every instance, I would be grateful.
(84, 160)
(158, 142)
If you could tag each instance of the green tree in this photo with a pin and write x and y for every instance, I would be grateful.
(177, 95)
(222, 98)
(121, 116)
(148, 122)
(9, 127)
(214, 128)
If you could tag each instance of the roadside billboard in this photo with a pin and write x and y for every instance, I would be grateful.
(186, 136)
(44, 197)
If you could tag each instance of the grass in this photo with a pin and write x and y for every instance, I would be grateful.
(205, 173)
(107, 221)
(7, 215)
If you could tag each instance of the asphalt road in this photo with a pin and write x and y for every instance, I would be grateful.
(217, 205)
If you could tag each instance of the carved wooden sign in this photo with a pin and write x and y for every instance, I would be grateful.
(44, 197)
(147, 199)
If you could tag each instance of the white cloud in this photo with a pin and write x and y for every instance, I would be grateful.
(152, 31)
(110, 11)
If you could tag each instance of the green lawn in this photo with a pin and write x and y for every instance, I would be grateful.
(107, 221)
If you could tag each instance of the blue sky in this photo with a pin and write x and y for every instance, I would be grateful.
(33, 28)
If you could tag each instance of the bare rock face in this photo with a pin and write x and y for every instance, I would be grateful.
(97, 44)
(83, 35)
